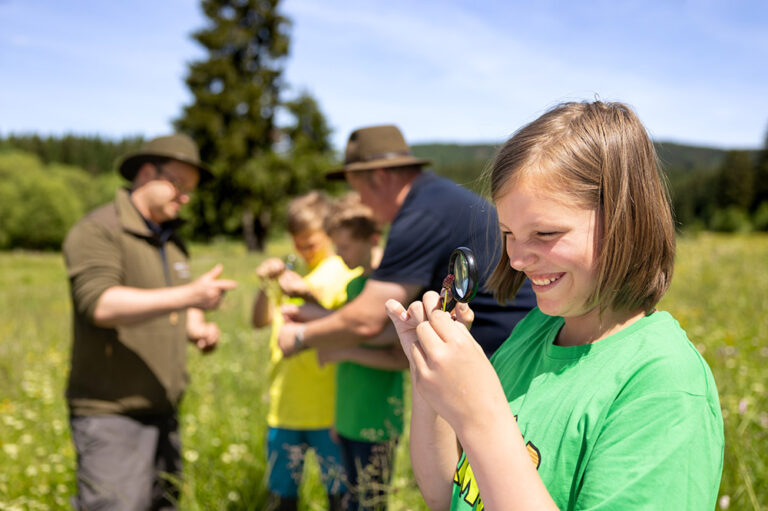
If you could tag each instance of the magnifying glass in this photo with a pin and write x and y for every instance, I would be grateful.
(462, 281)
(290, 261)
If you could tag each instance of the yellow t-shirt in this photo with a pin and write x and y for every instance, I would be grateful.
(302, 395)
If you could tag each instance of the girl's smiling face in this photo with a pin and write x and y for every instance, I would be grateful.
(553, 242)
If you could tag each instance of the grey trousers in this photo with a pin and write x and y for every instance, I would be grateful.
(127, 463)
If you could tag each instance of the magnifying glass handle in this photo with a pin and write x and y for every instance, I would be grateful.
(447, 299)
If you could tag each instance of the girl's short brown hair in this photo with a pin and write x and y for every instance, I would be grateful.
(347, 212)
(600, 156)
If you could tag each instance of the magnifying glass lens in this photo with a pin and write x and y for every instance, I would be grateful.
(462, 267)
(461, 276)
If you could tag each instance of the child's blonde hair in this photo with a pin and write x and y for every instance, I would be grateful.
(347, 212)
(307, 212)
(599, 156)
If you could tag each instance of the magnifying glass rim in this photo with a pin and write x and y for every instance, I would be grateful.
(472, 279)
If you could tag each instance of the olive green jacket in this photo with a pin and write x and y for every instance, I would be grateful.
(136, 369)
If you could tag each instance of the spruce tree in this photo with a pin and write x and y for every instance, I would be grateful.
(236, 93)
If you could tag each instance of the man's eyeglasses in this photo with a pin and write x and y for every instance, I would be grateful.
(180, 188)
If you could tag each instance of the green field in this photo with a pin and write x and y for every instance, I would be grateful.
(719, 295)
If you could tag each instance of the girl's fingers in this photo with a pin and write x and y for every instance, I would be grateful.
(432, 302)
(416, 313)
(463, 314)
(395, 310)
(430, 341)
(418, 360)
(448, 330)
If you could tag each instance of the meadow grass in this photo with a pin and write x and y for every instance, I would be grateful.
(719, 295)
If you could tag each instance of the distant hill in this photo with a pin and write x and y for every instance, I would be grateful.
(687, 158)
(464, 163)
(691, 172)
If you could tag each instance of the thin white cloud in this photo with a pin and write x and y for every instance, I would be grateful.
(483, 81)
(451, 70)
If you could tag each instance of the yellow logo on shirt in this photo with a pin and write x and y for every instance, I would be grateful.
(465, 479)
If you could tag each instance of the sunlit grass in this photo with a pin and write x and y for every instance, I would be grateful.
(719, 295)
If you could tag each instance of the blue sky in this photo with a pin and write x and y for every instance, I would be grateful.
(447, 71)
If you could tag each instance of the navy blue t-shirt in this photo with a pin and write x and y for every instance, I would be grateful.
(436, 217)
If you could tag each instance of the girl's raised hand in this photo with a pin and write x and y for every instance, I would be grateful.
(405, 322)
(449, 368)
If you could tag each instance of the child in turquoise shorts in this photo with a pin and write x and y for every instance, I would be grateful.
(302, 394)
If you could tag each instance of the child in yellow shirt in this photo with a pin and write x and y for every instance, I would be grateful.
(302, 394)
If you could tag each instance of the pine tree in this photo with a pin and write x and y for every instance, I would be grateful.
(236, 94)
(302, 155)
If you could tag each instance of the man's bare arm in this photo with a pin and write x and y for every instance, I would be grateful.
(121, 305)
(355, 323)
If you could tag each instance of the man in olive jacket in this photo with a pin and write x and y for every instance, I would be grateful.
(135, 307)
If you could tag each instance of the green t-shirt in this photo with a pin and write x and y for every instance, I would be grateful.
(369, 402)
(630, 422)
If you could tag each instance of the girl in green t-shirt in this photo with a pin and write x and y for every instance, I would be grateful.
(596, 400)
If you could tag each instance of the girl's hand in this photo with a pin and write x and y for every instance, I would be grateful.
(463, 314)
(449, 368)
(405, 322)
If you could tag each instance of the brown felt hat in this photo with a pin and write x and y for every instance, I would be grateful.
(176, 147)
(376, 147)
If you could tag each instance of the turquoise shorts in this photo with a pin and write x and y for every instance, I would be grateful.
(286, 451)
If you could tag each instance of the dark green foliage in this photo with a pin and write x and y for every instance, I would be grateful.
(236, 93)
(730, 219)
(760, 218)
(94, 154)
(685, 159)
(309, 132)
(39, 203)
(236, 89)
(36, 209)
(735, 181)
(692, 196)
(463, 164)
(761, 175)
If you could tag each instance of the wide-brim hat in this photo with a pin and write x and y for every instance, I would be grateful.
(177, 147)
(376, 147)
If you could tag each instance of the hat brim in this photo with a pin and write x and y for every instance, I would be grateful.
(131, 164)
(399, 161)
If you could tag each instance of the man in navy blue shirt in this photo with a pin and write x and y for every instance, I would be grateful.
(430, 216)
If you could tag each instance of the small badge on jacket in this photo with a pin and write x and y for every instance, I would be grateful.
(182, 269)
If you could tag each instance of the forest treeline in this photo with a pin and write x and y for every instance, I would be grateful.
(48, 183)
(716, 189)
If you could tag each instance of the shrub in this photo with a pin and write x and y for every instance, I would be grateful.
(730, 219)
(92, 191)
(37, 205)
(760, 218)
